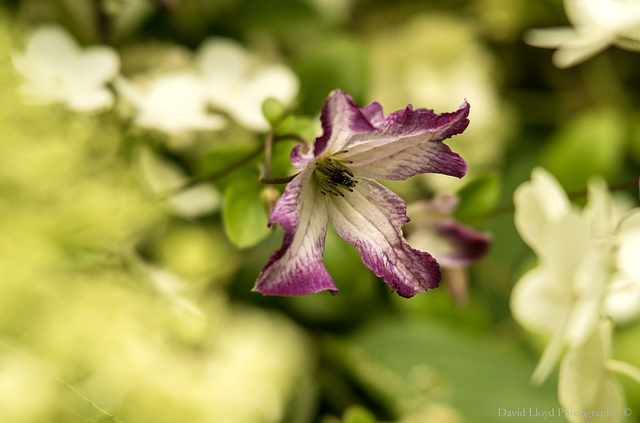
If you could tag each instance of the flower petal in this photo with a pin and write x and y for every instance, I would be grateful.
(407, 144)
(584, 383)
(341, 118)
(370, 218)
(538, 204)
(460, 244)
(297, 268)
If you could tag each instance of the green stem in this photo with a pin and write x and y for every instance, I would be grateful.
(296, 137)
(213, 176)
(510, 208)
(285, 180)
(267, 179)
(268, 151)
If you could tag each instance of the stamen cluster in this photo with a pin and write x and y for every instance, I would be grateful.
(333, 175)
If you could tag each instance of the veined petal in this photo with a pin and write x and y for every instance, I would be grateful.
(341, 118)
(407, 144)
(301, 155)
(370, 218)
(374, 114)
(297, 268)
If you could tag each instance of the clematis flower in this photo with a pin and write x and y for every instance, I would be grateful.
(453, 245)
(336, 182)
(57, 70)
(597, 24)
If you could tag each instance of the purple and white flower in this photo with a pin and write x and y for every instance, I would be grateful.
(336, 182)
(433, 228)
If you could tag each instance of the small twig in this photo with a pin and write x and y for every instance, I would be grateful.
(212, 176)
(510, 208)
(274, 181)
(268, 147)
(296, 137)
(268, 151)
(617, 187)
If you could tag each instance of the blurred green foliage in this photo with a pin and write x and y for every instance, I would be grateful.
(113, 309)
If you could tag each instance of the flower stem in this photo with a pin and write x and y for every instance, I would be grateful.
(213, 176)
(285, 180)
(268, 151)
(510, 208)
(266, 178)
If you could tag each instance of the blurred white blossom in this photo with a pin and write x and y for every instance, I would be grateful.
(577, 253)
(57, 70)
(237, 82)
(596, 24)
(623, 295)
(173, 103)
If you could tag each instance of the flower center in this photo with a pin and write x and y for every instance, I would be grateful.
(333, 175)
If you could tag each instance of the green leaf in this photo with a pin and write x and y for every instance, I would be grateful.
(478, 197)
(273, 110)
(302, 126)
(590, 144)
(333, 62)
(244, 216)
(409, 363)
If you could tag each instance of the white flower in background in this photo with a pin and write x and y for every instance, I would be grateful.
(561, 297)
(57, 70)
(173, 103)
(162, 177)
(581, 256)
(585, 384)
(238, 83)
(597, 24)
(615, 222)
(622, 303)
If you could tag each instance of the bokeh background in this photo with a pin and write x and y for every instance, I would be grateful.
(116, 307)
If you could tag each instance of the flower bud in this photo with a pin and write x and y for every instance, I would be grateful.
(273, 111)
(269, 195)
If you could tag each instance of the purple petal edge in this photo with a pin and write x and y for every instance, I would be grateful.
(468, 244)
(299, 271)
(370, 218)
(340, 112)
